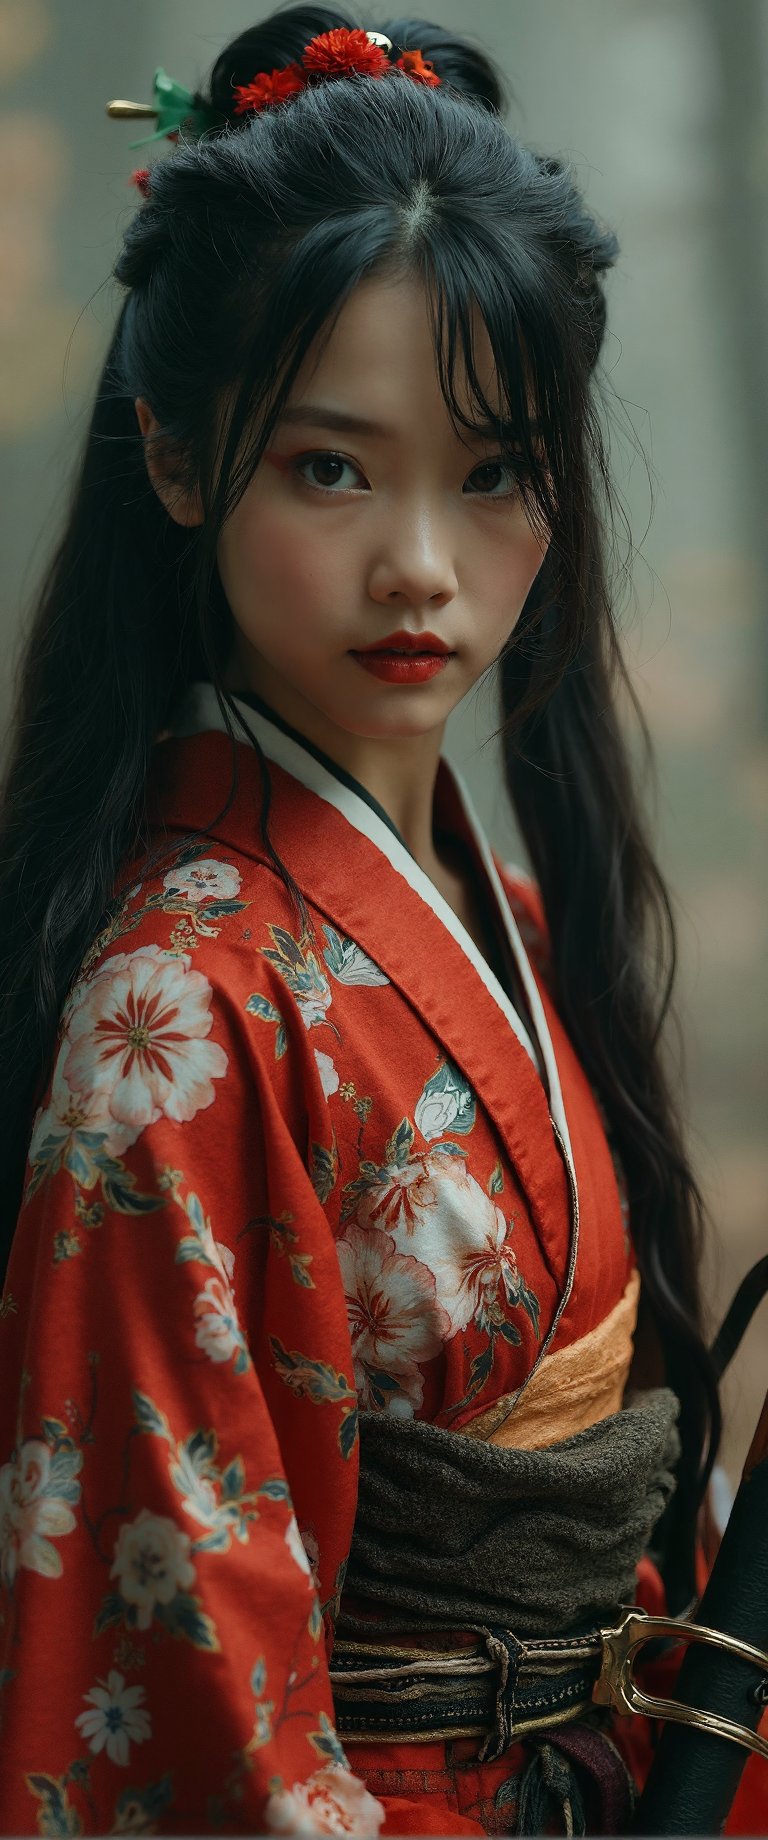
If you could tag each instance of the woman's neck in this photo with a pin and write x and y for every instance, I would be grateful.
(398, 771)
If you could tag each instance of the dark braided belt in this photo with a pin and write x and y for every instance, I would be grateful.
(502, 1689)
(498, 1689)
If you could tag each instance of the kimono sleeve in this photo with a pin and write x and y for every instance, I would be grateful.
(162, 1661)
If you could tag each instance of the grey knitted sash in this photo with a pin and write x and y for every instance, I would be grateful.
(455, 1532)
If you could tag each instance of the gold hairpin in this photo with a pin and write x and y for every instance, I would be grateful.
(172, 106)
(128, 111)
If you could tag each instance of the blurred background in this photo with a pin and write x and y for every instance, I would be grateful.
(661, 105)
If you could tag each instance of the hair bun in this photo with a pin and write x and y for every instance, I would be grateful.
(280, 40)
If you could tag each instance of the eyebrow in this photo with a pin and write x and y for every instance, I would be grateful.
(316, 415)
(319, 415)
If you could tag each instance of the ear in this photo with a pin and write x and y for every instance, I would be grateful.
(184, 507)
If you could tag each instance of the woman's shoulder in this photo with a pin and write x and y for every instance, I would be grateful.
(206, 896)
(198, 946)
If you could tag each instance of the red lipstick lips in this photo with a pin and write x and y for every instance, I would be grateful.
(404, 657)
(407, 642)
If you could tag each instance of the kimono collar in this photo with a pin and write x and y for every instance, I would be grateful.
(198, 710)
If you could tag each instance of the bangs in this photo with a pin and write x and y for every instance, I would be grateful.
(526, 414)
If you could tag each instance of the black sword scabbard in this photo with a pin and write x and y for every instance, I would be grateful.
(696, 1770)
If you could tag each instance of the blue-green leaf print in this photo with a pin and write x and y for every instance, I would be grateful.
(215, 910)
(317, 1381)
(183, 1617)
(496, 1180)
(118, 1186)
(149, 1417)
(348, 963)
(297, 1265)
(55, 1816)
(81, 1154)
(348, 1431)
(479, 1371)
(233, 1480)
(258, 1005)
(275, 1489)
(219, 1541)
(113, 1609)
(200, 1450)
(446, 1103)
(298, 968)
(65, 1466)
(55, 1432)
(136, 1810)
(326, 1743)
(399, 1147)
(189, 853)
(381, 1385)
(530, 1304)
(323, 1169)
(307, 1378)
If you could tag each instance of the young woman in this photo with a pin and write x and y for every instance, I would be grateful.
(319, 1120)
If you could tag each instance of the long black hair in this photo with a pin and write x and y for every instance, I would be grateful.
(245, 250)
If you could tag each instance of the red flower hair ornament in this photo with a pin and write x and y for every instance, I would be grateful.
(342, 52)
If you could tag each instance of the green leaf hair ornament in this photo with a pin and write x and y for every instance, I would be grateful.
(172, 106)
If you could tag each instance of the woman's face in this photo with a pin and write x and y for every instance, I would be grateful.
(369, 516)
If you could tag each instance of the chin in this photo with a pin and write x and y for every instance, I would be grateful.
(399, 726)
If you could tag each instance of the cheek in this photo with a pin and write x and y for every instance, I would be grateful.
(506, 567)
(267, 561)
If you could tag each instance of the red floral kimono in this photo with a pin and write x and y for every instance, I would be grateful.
(280, 1171)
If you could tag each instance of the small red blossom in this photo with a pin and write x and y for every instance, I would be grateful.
(268, 87)
(417, 66)
(337, 53)
(141, 179)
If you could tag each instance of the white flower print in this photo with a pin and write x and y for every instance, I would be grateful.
(69, 1112)
(295, 1545)
(401, 1197)
(447, 1221)
(217, 1330)
(329, 1078)
(116, 1719)
(348, 962)
(465, 1241)
(222, 1256)
(446, 1103)
(199, 1492)
(33, 1509)
(314, 1003)
(137, 1040)
(212, 1251)
(394, 1317)
(199, 880)
(332, 1801)
(152, 1563)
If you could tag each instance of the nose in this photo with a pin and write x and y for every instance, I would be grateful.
(414, 565)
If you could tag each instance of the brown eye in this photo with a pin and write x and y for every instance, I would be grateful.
(321, 471)
(494, 472)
